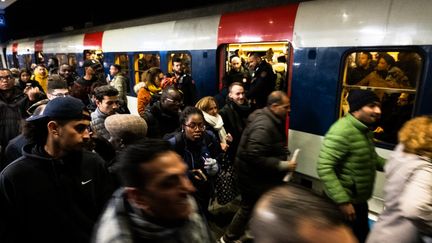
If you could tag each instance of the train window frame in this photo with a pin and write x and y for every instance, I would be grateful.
(279, 48)
(124, 64)
(398, 97)
(39, 57)
(27, 60)
(96, 54)
(138, 72)
(125, 68)
(15, 60)
(62, 58)
(187, 65)
(73, 61)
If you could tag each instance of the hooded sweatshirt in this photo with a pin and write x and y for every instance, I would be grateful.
(43, 199)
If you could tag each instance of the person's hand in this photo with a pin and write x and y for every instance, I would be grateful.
(211, 166)
(378, 130)
(348, 211)
(292, 165)
(32, 92)
(229, 138)
(199, 175)
(224, 147)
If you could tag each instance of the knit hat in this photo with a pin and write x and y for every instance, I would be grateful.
(126, 126)
(359, 98)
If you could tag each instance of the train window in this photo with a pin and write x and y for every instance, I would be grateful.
(394, 76)
(72, 60)
(15, 60)
(270, 51)
(62, 58)
(274, 53)
(93, 54)
(123, 61)
(27, 60)
(144, 61)
(40, 57)
(186, 61)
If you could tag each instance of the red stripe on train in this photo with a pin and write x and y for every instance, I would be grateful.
(93, 40)
(14, 47)
(269, 24)
(38, 46)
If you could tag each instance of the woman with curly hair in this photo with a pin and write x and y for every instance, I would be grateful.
(407, 216)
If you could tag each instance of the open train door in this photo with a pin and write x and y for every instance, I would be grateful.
(278, 54)
(259, 30)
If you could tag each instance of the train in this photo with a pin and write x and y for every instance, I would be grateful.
(321, 40)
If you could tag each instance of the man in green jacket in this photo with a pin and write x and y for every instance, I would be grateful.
(348, 161)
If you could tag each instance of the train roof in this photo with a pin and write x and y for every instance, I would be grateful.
(363, 23)
(329, 23)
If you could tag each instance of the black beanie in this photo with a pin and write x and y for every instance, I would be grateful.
(359, 98)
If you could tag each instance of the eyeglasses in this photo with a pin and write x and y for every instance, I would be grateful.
(7, 77)
(176, 102)
(195, 126)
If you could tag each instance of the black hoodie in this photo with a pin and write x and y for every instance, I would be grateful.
(52, 200)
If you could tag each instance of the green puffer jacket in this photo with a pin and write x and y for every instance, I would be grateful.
(348, 161)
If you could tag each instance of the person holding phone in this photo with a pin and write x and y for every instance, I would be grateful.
(201, 151)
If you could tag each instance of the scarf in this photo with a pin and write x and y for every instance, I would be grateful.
(193, 230)
(217, 123)
(153, 88)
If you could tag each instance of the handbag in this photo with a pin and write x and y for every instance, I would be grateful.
(226, 186)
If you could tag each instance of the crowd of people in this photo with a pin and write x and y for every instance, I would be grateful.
(76, 166)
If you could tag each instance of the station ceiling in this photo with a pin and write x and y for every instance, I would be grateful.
(30, 18)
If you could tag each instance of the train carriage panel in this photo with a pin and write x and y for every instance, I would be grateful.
(194, 34)
(190, 34)
(314, 101)
(409, 23)
(64, 45)
(139, 38)
(355, 23)
(25, 47)
(11, 48)
(340, 23)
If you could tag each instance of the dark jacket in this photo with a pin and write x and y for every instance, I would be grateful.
(52, 200)
(263, 145)
(262, 84)
(234, 118)
(356, 74)
(14, 149)
(193, 154)
(81, 89)
(242, 76)
(32, 83)
(186, 85)
(13, 106)
(159, 122)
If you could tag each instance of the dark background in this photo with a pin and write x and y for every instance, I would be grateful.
(28, 18)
